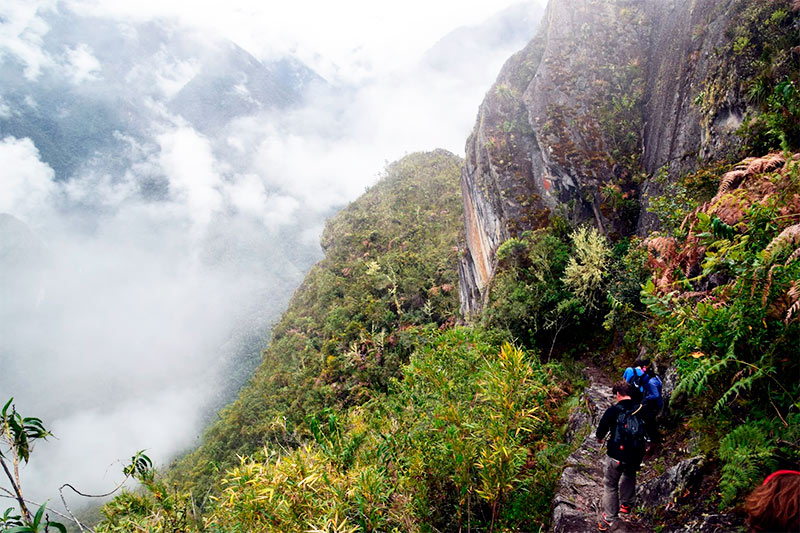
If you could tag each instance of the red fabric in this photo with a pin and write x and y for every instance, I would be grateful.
(780, 473)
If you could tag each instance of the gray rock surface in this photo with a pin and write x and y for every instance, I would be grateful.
(667, 488)
(607, 89)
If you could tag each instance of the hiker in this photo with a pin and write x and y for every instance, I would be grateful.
(643, 376)
(775, 504)
(626, 445)
(633, 375)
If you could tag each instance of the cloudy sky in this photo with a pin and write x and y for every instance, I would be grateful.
(345, 41)
(139, 281)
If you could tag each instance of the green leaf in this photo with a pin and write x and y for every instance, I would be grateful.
(5, 407)
(59, 526)
(39, 514)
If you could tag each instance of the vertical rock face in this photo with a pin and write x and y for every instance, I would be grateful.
(608, 93)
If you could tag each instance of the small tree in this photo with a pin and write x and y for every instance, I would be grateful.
(17, 436)
(587, 266)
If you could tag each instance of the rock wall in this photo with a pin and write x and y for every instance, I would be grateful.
(579, 122)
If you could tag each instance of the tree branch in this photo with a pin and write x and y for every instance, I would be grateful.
(13, 497)
(18, 494)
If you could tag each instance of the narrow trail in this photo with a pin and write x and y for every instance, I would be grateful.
(578, 502)
(671, 495)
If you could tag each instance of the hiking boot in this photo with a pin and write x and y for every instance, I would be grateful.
(625, 512)
(604, 524)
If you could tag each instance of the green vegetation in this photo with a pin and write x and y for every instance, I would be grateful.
(462, 431)
(449, 444)
(546, 285)
(762, 65)
(724, 300)
(372, 412)
(17, 437)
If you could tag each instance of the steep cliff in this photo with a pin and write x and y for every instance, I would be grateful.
(608, 94)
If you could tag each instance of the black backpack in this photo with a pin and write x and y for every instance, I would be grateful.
(630, 436)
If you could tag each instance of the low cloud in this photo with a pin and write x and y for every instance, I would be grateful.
(27, 184)
(193, 177)
(82, 65)
(139, 305)
(22, 30)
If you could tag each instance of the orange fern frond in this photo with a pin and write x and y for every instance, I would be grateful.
(793, 257)
(765, 164)
(730, 210)
(744, 163)
(697, 296)
(794, 295)
(728, 179)
(691, 216)
(691, 257)
(788, 237)
(663, 246)
(768, 286)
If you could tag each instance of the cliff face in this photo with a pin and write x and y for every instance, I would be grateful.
(609, 93)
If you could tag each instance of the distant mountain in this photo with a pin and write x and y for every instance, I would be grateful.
(233, 84)
(107, 81)
(505, 32)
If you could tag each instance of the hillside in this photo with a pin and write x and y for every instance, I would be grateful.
(422, 425)
(347, 329)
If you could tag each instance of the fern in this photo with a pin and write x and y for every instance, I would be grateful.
(742, 384)
(728, 179)
(746, 452)
(695, 382)
(788, 237)
(766, 164)
(794, 256)
(794, 295)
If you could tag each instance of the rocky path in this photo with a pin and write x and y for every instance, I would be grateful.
(659, 491)
(578, 501)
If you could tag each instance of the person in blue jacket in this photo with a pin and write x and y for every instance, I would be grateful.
(643, 376)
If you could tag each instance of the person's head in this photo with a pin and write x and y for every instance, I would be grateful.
(645, 364)
(775, 505)
(623, 390)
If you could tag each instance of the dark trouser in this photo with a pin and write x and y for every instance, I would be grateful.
(619, 484)
(650, 410)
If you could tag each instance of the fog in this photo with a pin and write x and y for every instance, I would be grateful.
(164, 179)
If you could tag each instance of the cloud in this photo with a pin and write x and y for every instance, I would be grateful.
(193, 177)
(348, 41)
(82, 65)
(22, 29)
(26, 184)
(5, 109)
(163, 73)
(97, 434)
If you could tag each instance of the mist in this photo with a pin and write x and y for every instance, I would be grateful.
(162, 193)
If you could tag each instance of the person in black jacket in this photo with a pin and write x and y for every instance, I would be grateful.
(625, 454)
